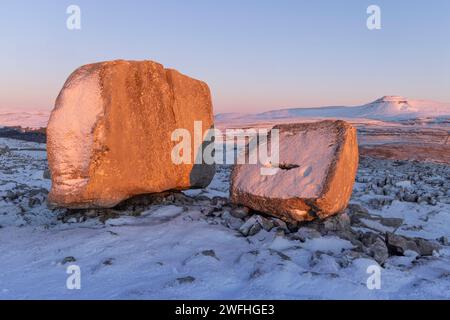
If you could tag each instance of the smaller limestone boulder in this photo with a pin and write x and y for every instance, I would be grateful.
(316, 172)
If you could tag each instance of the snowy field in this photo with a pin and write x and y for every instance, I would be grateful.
(196, 245)
(25, 118)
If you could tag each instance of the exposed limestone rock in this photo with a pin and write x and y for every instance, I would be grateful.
(398, 245)
(110, 134)
(317, 169)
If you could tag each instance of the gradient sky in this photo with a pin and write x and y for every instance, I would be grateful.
(256, 55)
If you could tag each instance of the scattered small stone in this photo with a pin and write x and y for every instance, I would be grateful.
(9, 171)
(391, 222)
(4, 150)
(211, 211)
(398, 245)
(32, 202)
(46, 174)
(240, 212)
(256, 273)
(250, 227)
(410, 197)
(305, 233)
(355, 254)
(10, 195)
(231, 222)
(219, 202)
(38, 191)
(201, 197)
(443, 240)
(181, 199)
(255, 229)
(339, 222)
(266, 223)
(380, 202)
(368, 238)
(68, 260)
(91, 213)
(379, 251)
(426, 247)
(280, 254)
(188, 279)
(107, 214)
(72, 220)
(280, 233)
(281, 225)
(292, 226)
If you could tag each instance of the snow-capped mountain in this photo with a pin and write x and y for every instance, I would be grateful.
(385, 108)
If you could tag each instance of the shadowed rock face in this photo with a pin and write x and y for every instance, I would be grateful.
(109, 135)
(318, 164)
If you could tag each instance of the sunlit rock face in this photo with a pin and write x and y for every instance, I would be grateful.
(317, 169)
(110, 133)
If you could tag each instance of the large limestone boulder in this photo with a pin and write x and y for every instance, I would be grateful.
(317, 169)
(110, 133)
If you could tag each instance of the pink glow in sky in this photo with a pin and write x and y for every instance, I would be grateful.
(254, 55)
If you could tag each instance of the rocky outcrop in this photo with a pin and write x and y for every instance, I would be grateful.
(110, 133)
(317, 169)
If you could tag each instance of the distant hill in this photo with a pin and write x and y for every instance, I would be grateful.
(388, 108)
(24, 118)
(18, 133)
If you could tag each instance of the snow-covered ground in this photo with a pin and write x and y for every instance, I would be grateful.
(196, 244)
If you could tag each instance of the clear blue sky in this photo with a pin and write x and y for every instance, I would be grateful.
(255, 55)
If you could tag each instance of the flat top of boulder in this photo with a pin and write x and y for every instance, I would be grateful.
(306, 153)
